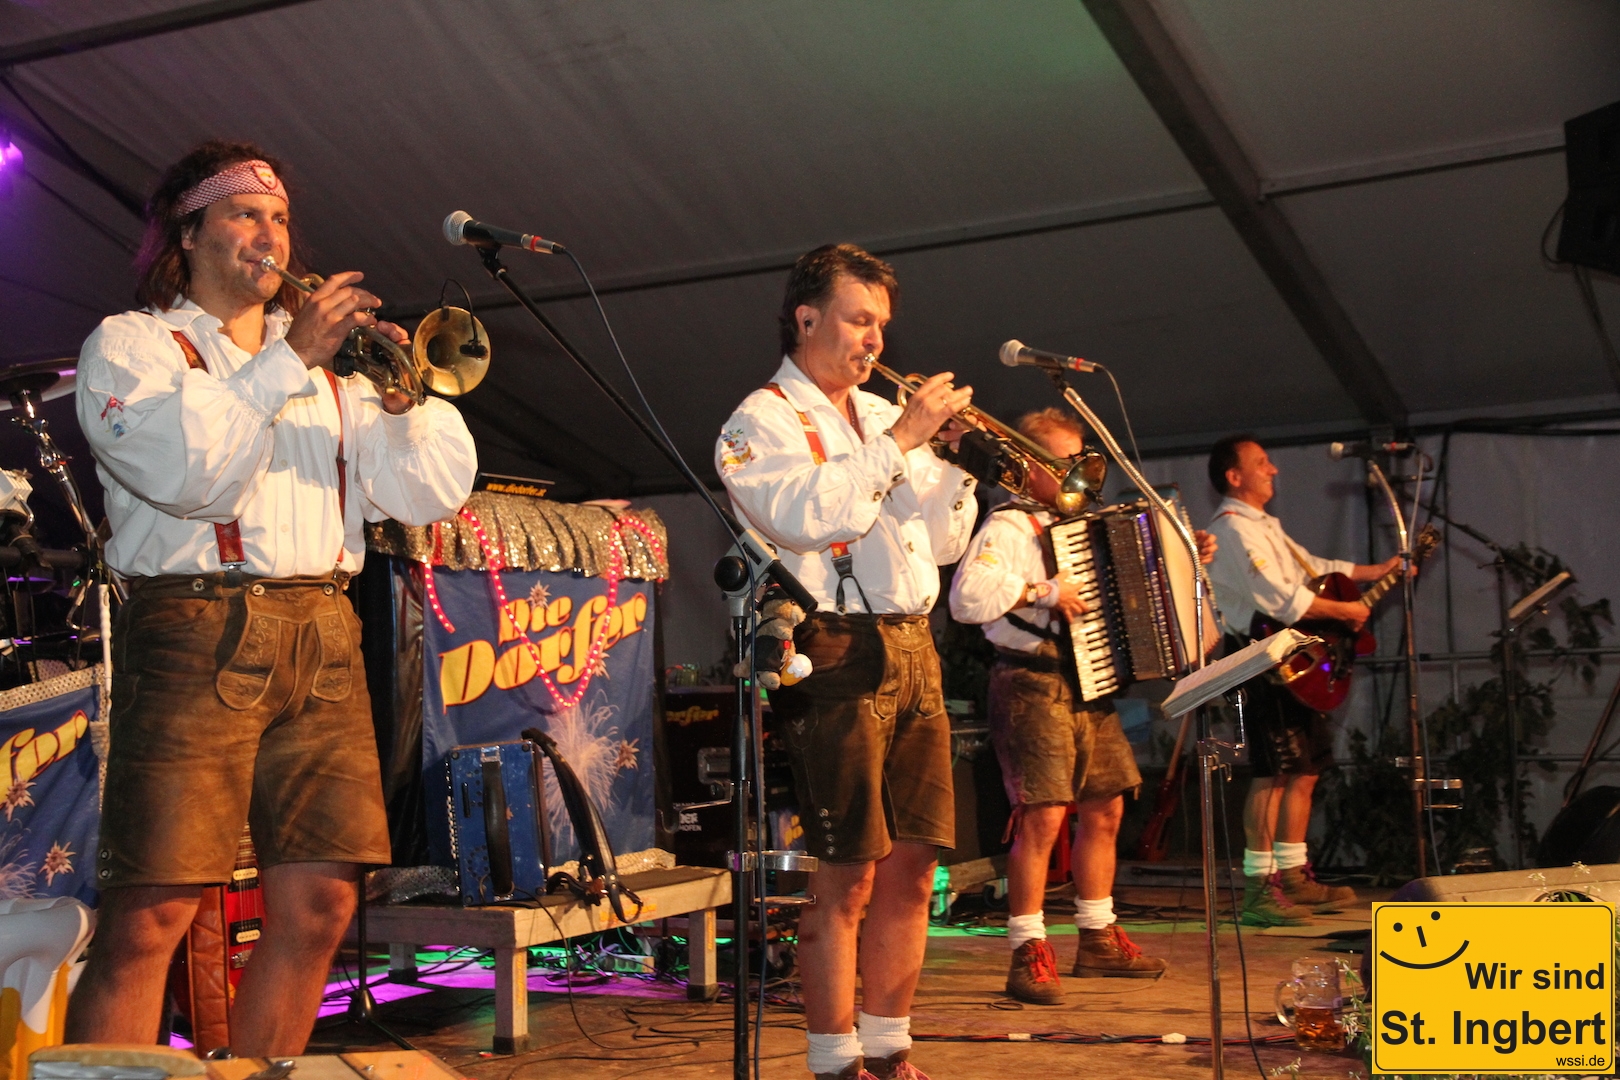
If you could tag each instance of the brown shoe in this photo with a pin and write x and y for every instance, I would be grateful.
(1033, 976)
(1265, 905)
(1109, 954)
(1301, 887)
(895, 1067)
(855, 1070)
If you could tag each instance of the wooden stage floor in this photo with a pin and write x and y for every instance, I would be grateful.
(624, 1026)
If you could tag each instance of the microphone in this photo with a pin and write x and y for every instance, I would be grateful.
(460, 228)
(1015, 353)
(1365, 450)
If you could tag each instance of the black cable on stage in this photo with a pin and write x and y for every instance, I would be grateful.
(1237, 929)
(1136, 452)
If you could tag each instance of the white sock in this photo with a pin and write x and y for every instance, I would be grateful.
(1022, 928)
(1094, 914)
(883, 1035)
(830, 1053)
(1289, 856)
(1259, 863)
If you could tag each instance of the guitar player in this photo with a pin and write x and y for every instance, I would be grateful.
(1258, 569)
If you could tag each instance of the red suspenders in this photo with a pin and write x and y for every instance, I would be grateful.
(843, 562)
(229, 535)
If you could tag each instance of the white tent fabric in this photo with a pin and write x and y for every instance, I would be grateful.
(1000, 153)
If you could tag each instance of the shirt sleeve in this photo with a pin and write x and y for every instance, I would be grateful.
(1331, 566)
(188, 443)
(764, 461)
(1264, 578)
(416, 468)
(986, 585)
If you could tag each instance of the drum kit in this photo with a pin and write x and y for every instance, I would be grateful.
(48, 611)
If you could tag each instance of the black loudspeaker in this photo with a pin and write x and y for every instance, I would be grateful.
(1591, 231)
(1593, 882)
(1587, 830)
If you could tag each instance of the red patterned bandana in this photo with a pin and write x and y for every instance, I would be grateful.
(243, 178)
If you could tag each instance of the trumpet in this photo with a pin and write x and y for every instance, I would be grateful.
(1079, 480)
(449, 351)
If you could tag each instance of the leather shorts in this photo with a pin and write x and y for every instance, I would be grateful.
(236, 704)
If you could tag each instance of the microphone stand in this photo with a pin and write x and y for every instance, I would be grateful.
(1507, 634)
(751, 560)
(1213, 754)
(1416, 729)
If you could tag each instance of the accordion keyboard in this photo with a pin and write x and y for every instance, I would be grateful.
(1096, 659)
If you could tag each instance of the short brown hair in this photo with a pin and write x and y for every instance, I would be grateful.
(1037, 425)
(1224, 455)
(161, 270)
(814, 275)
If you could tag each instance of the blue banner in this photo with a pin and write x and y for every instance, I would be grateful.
(488, 679)
(49, 798)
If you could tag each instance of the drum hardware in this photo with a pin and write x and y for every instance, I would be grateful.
(27, 387)
(1080, 481)
(449, 351)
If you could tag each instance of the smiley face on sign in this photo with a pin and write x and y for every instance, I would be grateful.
(1423, 944)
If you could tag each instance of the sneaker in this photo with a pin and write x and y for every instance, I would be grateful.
(1265, 905)
(855, 1070)
(1033, 976)
(895, 1067)
(1109, 954)
(1300, 886)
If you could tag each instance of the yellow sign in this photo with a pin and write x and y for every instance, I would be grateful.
(1493, 988)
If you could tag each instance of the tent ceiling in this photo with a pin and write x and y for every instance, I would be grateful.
(1000, 153)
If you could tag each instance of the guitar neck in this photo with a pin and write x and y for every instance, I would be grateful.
(1424, 544)
(1376, 591)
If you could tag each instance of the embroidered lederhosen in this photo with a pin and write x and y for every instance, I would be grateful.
(843, 562)
(229, 535)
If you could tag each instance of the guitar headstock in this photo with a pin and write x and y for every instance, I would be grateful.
(1428, 538)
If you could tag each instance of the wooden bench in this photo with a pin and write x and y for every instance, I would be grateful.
(694, 891)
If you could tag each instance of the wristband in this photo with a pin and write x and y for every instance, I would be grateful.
(1041, 594)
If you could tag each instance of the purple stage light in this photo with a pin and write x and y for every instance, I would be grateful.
(11, 161)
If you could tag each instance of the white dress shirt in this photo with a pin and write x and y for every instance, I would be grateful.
(252, 439)
(1256, 568)
(1004, 558)
(902, 515)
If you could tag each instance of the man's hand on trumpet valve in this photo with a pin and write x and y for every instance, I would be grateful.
(927, 409)
(327, 315)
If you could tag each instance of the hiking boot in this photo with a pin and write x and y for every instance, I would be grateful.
(895, 1066)
(1109, 954)
(1033, 976)
(1300, 886)
(1265, 905)
(855, 1070)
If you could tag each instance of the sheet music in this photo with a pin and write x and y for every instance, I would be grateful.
(1224, 674)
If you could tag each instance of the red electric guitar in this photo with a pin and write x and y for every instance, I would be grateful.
(1154, 843)
(1319, 675)
(209, 962)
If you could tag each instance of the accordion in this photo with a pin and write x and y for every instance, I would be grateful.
(1137, 581)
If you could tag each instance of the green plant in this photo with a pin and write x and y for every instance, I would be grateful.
(1367, 802)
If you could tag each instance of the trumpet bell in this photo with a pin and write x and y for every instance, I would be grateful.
(1083, 483)
(451, 349)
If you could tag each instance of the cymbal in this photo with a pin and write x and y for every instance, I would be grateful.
(49, 379)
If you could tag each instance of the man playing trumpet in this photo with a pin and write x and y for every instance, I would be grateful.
(238, 471)
(843, 483)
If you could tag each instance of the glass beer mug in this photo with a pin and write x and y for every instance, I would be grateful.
(1309, 1003)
